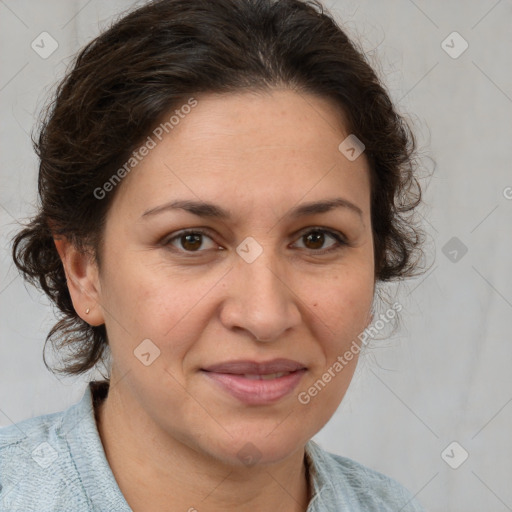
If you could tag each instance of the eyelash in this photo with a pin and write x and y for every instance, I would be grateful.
(340, 241)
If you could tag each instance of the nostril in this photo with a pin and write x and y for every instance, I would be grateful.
(263, 339)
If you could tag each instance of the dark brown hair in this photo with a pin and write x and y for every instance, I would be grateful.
(149, 62)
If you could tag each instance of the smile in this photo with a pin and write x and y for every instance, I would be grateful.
(256, 383)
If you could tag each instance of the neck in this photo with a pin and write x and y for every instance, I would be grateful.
(156, 472)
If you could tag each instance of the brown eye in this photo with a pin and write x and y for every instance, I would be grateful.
(314, 240)
(189, 241)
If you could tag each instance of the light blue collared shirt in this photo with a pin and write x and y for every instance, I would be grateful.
(56, 462)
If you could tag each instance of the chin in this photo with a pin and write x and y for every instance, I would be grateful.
(254, 446)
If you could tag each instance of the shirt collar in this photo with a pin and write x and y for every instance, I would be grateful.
(84, 442)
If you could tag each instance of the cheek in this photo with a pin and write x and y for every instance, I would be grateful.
(340, 303)
(341, 309)
(155, 303)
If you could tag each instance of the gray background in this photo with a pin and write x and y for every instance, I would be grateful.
(445, 376)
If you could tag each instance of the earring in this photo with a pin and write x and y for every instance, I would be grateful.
(87, 311)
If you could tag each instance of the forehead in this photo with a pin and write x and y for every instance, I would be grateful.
(281, 120)
(261, 150)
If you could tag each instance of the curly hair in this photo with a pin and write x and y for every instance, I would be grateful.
(144, 65)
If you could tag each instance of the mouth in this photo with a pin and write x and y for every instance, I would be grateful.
(256, 383)
(267, 376)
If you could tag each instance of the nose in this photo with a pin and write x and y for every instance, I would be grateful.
(260, 300)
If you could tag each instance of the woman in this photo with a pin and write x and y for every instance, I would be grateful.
(222, 186)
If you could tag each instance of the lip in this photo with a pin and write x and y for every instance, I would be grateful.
(241, 367)
(230, 377)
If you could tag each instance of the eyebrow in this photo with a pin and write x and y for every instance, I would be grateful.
(210, 210)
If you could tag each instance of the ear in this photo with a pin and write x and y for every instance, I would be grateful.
(83, 281)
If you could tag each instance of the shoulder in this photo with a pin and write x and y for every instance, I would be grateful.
(342, 481)
(36, 468)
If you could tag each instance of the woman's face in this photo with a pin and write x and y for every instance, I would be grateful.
(261, 285)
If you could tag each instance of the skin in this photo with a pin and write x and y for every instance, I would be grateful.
(171, 436)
